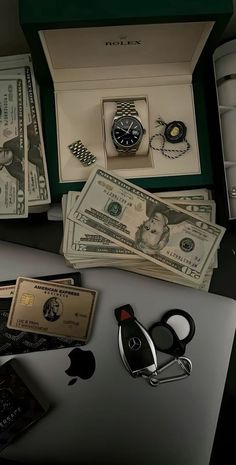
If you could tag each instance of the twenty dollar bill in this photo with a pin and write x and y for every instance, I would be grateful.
(146, 225)
(38, 184)
(13, 144)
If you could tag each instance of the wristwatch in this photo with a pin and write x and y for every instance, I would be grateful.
(127, 130)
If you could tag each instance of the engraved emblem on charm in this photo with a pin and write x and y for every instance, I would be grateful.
(175, 132)
(170, 133)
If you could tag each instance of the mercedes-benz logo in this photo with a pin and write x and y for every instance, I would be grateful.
(134, 343)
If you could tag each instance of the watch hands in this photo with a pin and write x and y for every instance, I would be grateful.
(127, 132)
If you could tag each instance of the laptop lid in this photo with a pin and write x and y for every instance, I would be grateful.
(112, 418)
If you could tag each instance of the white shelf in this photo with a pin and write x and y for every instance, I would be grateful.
(227, 164)
(224, 108)
(222, 68)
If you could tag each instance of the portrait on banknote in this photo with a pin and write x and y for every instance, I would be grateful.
(12, 160)
(154, 233)
(34, 149)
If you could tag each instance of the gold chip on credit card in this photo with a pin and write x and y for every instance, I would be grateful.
(52, 308)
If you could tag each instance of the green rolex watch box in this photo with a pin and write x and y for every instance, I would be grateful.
(88, 56)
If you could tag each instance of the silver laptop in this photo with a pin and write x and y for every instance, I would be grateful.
(113, 418)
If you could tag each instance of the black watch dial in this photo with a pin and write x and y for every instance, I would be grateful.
(126, 132)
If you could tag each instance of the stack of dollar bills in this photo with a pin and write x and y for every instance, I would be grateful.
(113, 223)
(24, 185)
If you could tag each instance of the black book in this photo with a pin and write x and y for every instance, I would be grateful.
(20, 404)
(76, 276)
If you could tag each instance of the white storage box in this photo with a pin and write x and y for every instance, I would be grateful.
(225, 75)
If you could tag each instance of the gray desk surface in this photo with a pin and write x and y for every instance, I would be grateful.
(125, 420)
(47, 236)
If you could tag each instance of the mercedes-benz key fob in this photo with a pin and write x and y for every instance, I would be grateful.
(136, 347)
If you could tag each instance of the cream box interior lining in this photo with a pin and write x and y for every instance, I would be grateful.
(90, 65)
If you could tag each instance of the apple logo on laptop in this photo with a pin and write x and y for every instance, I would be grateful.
(82, 365)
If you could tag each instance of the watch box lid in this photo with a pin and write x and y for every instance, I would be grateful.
(124, 52)
(60, 14)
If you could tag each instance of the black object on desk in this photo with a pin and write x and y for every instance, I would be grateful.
(35, 231)
(20, 406)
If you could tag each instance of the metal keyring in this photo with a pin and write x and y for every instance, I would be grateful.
(184, 362)
(185, 315)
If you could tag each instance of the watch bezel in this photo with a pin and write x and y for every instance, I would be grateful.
(124, 148)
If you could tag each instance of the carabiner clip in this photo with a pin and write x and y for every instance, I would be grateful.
(184, 362)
